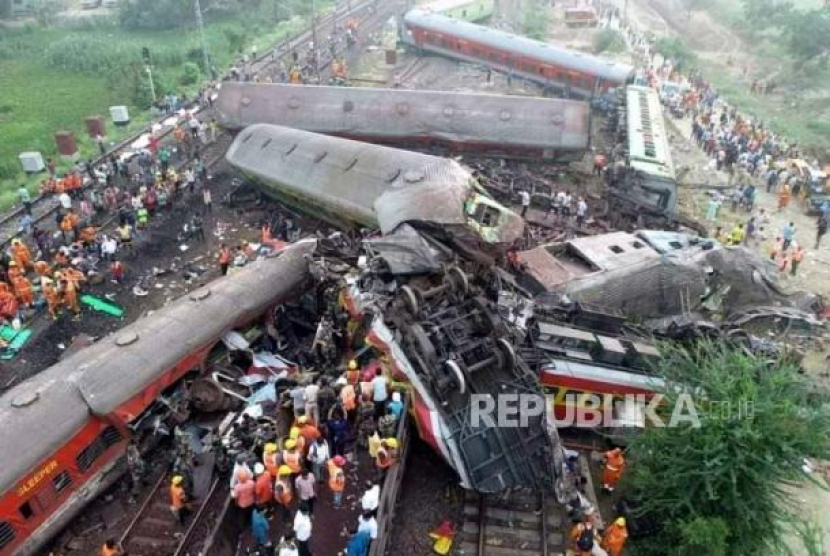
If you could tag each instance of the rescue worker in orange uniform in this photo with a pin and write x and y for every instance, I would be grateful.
(613, 541)
(291, 457)
(178, 499)
(271, 459)
(69, 223)
(111, 548)
(13, 271)
(23, 291)
(8, 303)
(283, 491)
(42, 269)
(22, 255)
(224, 259)
(583, 537)
(614, 465)
(74, 275)
(337, 479)
(53, 298)
(308, 430)
(69, 294)
(263, 487)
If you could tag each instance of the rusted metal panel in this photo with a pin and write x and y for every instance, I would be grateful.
(479, 121)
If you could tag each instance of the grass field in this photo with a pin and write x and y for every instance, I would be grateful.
(37, 98)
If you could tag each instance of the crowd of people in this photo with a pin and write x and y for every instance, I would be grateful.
(47, 266)
(343, 428)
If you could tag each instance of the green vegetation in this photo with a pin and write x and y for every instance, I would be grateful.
(535, 19)
(608, 40)
(722, 488)
(54, 77)
(676, 50)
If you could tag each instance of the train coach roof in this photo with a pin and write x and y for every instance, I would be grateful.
(42, 413)
(510, 121)
(555, 55)
(389, 186)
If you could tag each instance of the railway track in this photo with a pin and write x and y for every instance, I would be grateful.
(44, 207)
(521, 524)
(154, 531)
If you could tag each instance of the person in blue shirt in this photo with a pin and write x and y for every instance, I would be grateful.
(396, 405)
(259, 528)
(358, 544)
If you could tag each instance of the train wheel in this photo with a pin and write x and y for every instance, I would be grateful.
(508, 354)
(411, 300)
(422, 345)
(457, 280)
(452, 369)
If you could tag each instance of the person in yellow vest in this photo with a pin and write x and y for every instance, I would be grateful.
(614, 538)
(736, 236)
(283, 491)
(178, 499)
(291, 456)
(337, 479)
(386, 457)
(271, 459)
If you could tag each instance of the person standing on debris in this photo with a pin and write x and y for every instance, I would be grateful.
(821, 229)
(338, 426)
(613, 541)
(23, 291)
(112, 548)
(224, 259)
(306, 490)
(69, 295)
(207, 199)
(21, 254)
(264, 487)
(524, 196)
(581, 212)
(318, 456)
(712, 207)
(789, 235)
(297, 395)
(783, 196)
(599, 164)
(396, 405)
(53, 298)
(367, 523)
(312, 410)
(386, 457)
(302, 528)
(337, 479)
(358, 543)
(178, 499)
(736, 236)
(796, 258)
(614, 465)
(370, 500)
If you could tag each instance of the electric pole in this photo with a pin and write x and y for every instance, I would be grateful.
(314, 39)
(201, 25)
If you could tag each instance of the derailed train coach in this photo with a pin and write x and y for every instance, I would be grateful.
(355, 184)
(493, 125)
(573, 73)
(66, 430)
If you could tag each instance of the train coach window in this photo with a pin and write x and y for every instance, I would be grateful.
(26, 510)
(61, 481)
(109, 437)
(6, 534)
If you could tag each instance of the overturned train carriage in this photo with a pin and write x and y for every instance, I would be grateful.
(509, 126)
(358, 184)
(66, 430)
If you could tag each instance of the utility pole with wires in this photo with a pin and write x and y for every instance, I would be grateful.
(316, 51)
(201, 25)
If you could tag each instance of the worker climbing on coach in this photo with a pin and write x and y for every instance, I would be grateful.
(614, 465)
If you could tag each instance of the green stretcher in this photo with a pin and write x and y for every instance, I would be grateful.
(102, 305)
(16, 340)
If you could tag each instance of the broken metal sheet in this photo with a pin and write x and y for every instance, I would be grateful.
(267, 393)
(405, 252)
(263, 359)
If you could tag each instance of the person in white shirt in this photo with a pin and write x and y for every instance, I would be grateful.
(370, 500)
(380, 393)
(525, 197)
(65, 201)
(581, 212)
(302, 528)
(367, 522)
(311, 408)
(318, 455)
(288, 546)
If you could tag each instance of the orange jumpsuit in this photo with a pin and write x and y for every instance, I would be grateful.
(8, 303)
(42, 268)
(576, 532)
(614, 539)
(75, 276)
(22, 255)
(70, 296)
(614, 465)
(283, 493)
(23, 290)
(13, 272)
(784, 197)
(53, 298)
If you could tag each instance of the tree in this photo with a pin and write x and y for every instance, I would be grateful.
(807, 34)
(720, 488)
(766, 13)
(676, 50)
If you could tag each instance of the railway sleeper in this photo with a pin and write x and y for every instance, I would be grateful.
(502, 516)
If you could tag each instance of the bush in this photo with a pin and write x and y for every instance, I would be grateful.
(676, 50)
(190, 74)
(236, 39)
(8, 170)
(608, 40)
